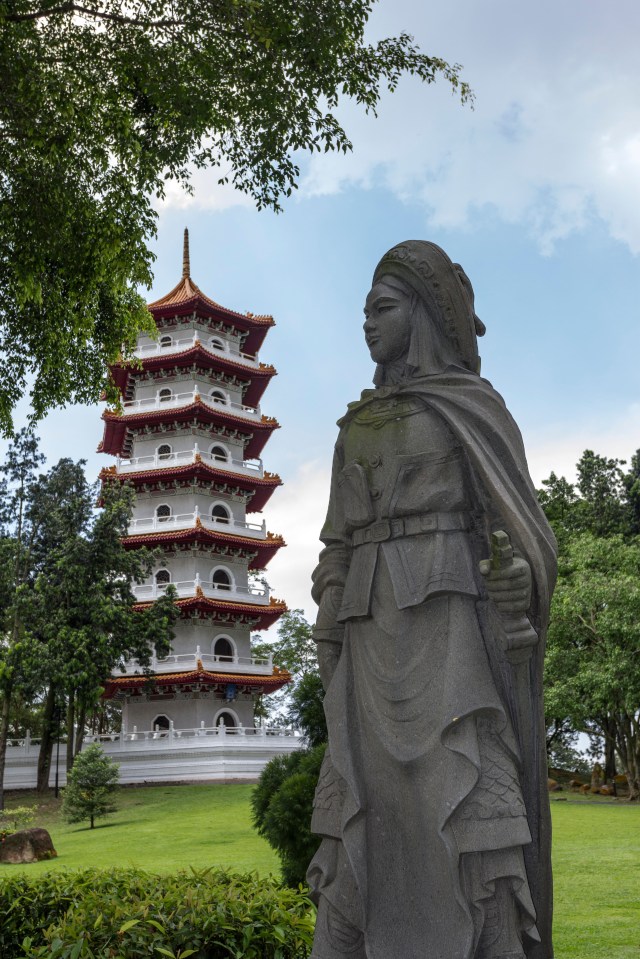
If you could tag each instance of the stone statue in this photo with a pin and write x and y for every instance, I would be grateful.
(434, 589)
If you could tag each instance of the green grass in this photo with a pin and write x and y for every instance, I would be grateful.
(596, 856)
(162, 828)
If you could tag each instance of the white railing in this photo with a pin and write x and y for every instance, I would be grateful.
(27, 747)
(188, 520)
(187, 662)
(184, 458)
(188, 588)
(182, 344)
(201, 732)
(176, 400)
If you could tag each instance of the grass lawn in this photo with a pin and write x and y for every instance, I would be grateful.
(159, 828)
(162, 828)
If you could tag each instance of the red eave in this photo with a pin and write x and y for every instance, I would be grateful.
(265, 549)
(199, 676)
(257, 378)
(116, 425)
(266, 616)
(261, 487)
(187, 298)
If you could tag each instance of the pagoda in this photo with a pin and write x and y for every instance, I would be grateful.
(188, 435)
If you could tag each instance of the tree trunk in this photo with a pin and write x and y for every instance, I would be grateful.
(92, 820)
(70, 730)
(82, 717)
(4, 737)
(608, 725)
(46, 743)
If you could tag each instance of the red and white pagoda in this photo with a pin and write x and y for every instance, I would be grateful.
(189, 436)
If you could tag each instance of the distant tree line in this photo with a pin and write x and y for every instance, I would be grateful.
(67, 617)
(592, 667)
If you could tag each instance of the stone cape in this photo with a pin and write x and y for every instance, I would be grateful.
(422, 801)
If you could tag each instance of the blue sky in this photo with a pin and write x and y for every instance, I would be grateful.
(536, 192)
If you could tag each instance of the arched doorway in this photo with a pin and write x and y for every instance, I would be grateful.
(227, 719)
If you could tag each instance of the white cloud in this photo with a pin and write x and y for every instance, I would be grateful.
(558, 446)
(554, 138)
(298, 513)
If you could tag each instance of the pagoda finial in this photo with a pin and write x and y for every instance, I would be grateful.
(186, 266)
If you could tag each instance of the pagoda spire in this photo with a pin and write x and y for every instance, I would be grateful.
(186, 265)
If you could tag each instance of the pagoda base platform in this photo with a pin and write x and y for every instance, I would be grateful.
(217, 754)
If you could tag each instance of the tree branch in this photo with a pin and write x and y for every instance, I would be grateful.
(89, 12)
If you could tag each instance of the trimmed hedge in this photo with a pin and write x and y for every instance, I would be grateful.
(126, 914)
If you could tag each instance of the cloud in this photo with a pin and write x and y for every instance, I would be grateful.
(553, 142)
(298, 512)
(558, 446)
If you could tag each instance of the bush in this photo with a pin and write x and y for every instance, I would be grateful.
(126, 914)
(17, 818)
(282, 804)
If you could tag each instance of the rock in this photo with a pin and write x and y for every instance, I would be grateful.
(28, 845)
(575, 783)
(553, 786)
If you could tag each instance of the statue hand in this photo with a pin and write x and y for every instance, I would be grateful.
(509, 586)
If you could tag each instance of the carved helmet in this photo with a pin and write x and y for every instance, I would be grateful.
(444, 286)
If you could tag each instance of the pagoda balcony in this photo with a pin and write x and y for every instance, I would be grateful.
(217, 524)
(188, 589)
(188, 662)
(156, 461)
(187, 343)
(177, 400)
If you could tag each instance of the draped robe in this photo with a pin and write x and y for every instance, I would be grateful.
(433, 791)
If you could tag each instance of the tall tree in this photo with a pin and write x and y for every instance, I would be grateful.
(592, 669)
(596, 522)
(81, 608)
(17, 477)
(102, 101)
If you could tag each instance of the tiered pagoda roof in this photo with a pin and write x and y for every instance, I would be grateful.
(196, 680)
(258, 489)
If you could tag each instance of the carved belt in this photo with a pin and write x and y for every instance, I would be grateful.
(386, 529)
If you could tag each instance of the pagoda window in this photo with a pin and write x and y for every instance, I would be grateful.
(223, 650)
(165, 395)
(220, 513)
(218, 397)
(163, 513)
(166, 341)
(221, 579)
(163, 577)
(217, 343)
(219, 453)
(161, 724)
(163, 451)
(227, 719)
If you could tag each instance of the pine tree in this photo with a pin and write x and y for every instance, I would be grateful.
(91, 785)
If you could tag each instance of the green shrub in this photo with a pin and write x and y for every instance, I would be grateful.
(90, 786)
(17, 818)
(282, 804)
(126, 914)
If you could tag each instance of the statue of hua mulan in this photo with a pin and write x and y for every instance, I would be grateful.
(433, 589)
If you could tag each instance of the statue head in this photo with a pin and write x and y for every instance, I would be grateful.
(420, 314)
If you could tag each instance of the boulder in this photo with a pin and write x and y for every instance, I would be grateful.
(28, 845)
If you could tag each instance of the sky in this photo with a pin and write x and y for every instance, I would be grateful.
(535, 191)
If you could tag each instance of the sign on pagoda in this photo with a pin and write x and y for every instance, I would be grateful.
(189, 436)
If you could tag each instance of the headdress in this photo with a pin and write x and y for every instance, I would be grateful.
(442, 284)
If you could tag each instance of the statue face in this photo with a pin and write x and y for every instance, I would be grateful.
(387, 327)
